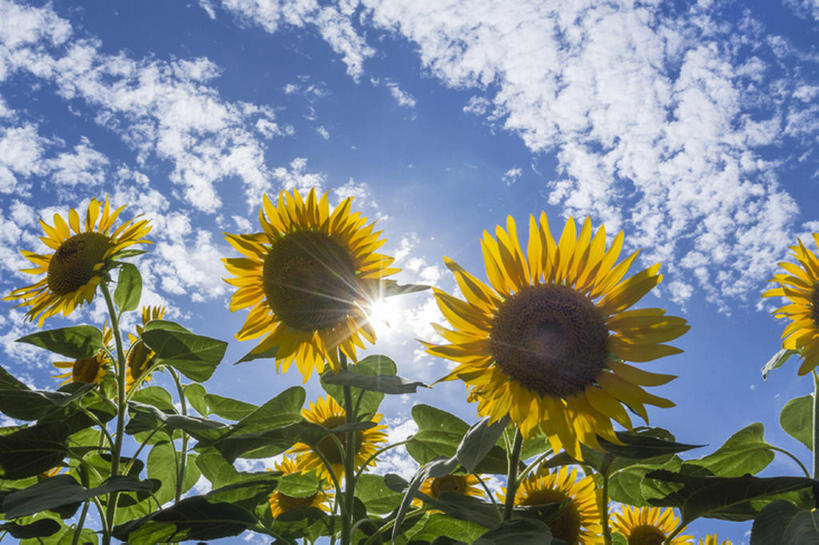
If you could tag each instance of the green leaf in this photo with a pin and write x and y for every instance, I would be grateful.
(519, 532)
(299, 485)
(745, 452)
(35, 449)
(436, 468)
(643, 444)
(777, 360)
(373, 491)
(62, 490)
(129, 288)
(626, 485)
(195, 393)
(440, 433)
(77, 342)
(40, 528)
(785, 524)
(8, 382)
(796, 419)
(147, 417)
(270, 353)
(156, 396)
(387, 384)
(194, 356)
(367, 401)
(35, 404)
(193, 518)
(391, 288)
(727, 498)
(282, 410)
(230, 409)
(478, 441)
(162, 466)
(437, 525)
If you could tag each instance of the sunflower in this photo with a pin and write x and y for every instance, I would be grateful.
(713, 540)
(648, 526)
(90, 370)
(282, 503)
(79, 261)
(464, 484)
(579, 521)
(546, 343)
(307, 279)
(329, 414)
(800, 284)
(140, 357)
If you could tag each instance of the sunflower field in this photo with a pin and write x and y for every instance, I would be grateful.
(550, 341)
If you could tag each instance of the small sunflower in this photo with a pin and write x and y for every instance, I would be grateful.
(713, 540)
(79, 260)
(800, 284)
(307, 279)
(464, 484)
(140, 357)
(329, 414)
(282, 503)
(648, 526)
(546, 343)
(90, 370)
(579, 521)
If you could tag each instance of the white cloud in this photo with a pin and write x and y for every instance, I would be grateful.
(650, 115)
(511, 176)
(164, 110)
(404, 99)
(807, 9)
(21, 151)
(323, 132)
(297, 177)
(85, 166)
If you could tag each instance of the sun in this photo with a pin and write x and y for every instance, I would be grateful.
(385, 315)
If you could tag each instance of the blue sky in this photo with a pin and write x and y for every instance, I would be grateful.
(690, 125)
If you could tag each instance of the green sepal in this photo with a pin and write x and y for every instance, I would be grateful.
(77, 342)
(777, 360)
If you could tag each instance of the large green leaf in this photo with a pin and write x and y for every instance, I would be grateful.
(745, 452)
(375, 494)
(77, 342)
(626, 485)
(280, 411)
(365, 401)
(783, 523)
(156, 396)
(162, 466)
(193, 518)
(35, 449)
(227, 408)
(796, 419)
(299, 485)
(8, 382)
(437, 525)
(436, 468)
(35, 404)
(519, 532)
(41, 528)
(440, 433)
(478, 441)
(129, 288)
(727, 498)
(194, 356)
(195, 393)
(387, 384)
(62, 490)
(147, 417)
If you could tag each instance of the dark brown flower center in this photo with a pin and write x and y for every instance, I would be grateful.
(448, 483)
(327, 445)
(566, 525)
(646, 535)
(72, 265)
(814, 304)
(85, 370)
(310, 280)
(551, 339)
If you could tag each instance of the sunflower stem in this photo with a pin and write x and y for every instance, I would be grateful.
(349, 461)
(121, 403)
(604, 503)
(512, 476)
(78, 530)
(180, 477)
(815, 424)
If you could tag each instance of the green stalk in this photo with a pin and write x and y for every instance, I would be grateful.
(604, 507)
(120, 433)
(815, 424)
(512, 476)
(180, 476)
(77, 531)
(349, 461)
